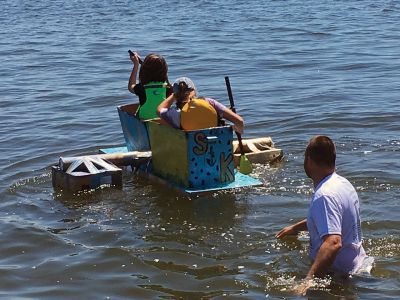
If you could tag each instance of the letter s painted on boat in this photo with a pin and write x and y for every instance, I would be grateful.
(202, 143)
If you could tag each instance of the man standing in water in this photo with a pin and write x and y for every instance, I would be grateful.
(333, 218)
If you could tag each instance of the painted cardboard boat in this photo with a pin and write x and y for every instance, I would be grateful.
(193, 161)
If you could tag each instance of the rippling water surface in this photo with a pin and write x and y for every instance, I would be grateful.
(297, 69)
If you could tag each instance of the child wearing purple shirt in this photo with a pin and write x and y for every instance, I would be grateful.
(206, 114)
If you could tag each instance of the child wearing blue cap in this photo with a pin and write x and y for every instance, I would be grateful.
(192, 112)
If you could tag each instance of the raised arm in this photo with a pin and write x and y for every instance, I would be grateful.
(132, 79)
(167, 102)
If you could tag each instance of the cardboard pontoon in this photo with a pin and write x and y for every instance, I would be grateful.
(258, 151)
(85, 173)
(74, 174)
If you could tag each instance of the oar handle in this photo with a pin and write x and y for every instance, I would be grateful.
(131, 54)
(239, 136)
(228, 88)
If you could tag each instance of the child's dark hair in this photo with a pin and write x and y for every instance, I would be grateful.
(154, 68)
(182, 94)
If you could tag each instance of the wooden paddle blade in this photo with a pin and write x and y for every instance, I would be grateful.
(245, 166)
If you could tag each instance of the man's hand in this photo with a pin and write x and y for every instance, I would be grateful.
(301, 289)
(289, 230)
(292, 229)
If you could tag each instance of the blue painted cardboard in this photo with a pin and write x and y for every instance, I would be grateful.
(134, 129)
(210, 157)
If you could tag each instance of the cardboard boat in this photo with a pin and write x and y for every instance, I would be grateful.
(194, 162)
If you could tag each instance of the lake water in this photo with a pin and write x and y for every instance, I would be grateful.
(297, 69)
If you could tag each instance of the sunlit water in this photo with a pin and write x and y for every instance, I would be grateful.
(297, 69)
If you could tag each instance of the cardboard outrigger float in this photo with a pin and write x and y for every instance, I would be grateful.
(195, 161)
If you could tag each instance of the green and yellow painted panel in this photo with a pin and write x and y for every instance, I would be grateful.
(193, 159)
(169, 153)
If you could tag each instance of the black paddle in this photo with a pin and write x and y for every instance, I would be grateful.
(245, 166)
(132, 54)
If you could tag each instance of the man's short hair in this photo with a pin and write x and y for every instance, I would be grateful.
(322, 151)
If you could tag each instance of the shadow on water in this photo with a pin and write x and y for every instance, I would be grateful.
(140, 196)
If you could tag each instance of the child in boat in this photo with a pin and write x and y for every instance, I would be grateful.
(193, 113)
(153, 86)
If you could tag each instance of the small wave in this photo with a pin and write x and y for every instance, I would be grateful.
(289, 284)
(384, 247)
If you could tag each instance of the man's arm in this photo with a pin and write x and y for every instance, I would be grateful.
(292, 229)
(324, 259)
(325, 255)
